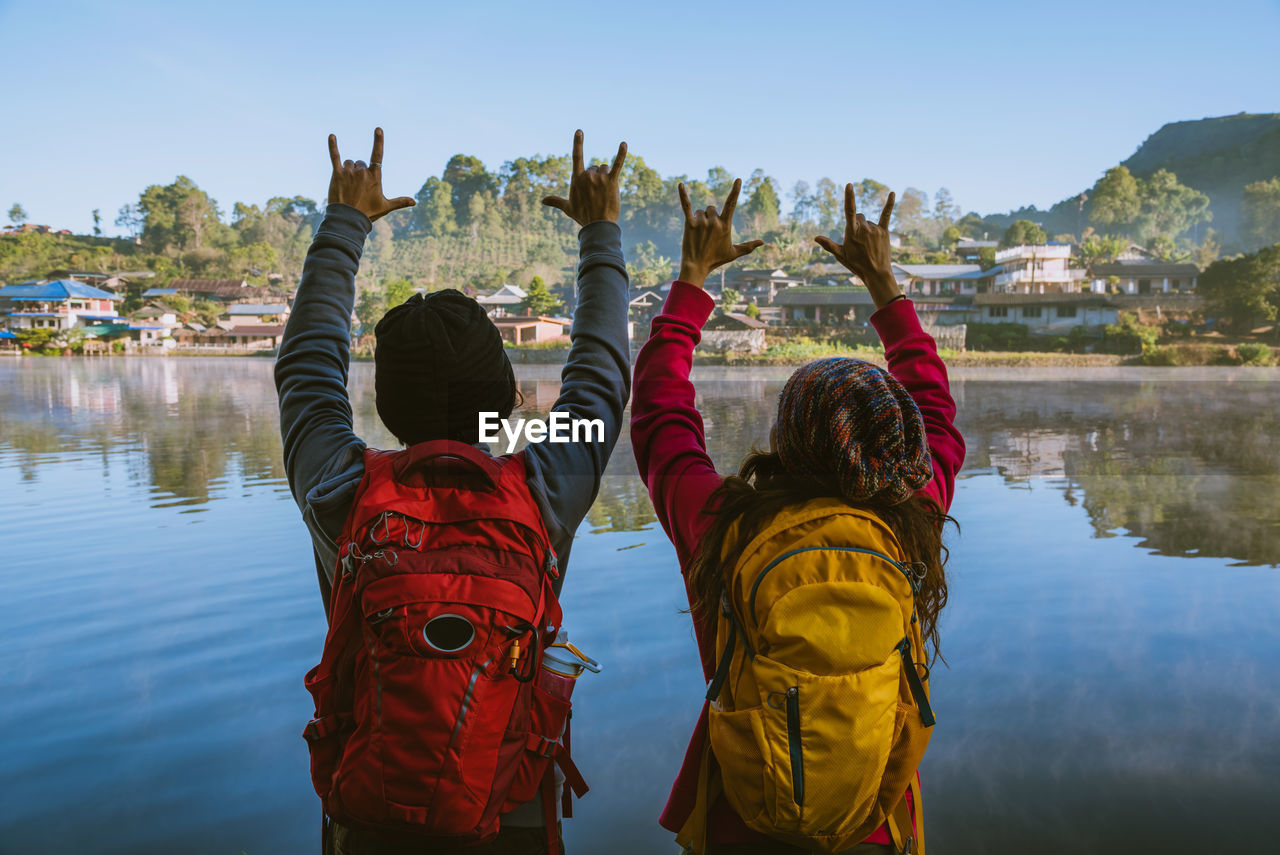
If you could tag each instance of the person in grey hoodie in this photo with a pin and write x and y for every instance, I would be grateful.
(439, 361)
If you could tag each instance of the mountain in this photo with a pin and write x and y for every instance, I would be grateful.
(1217, 156)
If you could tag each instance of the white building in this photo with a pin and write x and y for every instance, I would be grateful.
(1038, 269)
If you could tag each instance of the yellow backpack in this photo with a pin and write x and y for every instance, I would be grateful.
(819, 716)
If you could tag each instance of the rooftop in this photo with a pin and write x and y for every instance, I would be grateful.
(937, 271)
(734, 320)
(257, 309)
(824, 295)
(1145, 269)
(58, 289)
(1041, 299)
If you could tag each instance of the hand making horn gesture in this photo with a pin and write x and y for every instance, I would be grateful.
(593, 191)
(359, 185)
(865, 250)
(708, 238)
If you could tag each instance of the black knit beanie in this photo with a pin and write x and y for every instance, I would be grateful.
(439, 361)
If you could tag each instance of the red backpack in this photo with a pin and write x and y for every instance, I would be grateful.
(434, 713)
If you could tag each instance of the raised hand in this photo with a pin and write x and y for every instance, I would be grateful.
(865, 251)
(593, 192)
(360, 185)
(708, 238)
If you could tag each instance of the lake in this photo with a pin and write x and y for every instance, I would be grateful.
(1114, 655)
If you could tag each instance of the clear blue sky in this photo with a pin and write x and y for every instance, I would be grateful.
(1003, 103)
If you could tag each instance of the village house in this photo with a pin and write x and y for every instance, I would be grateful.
(642, 309)
(1046, 313)
(249, 337)
(931, 278)
(1036, 269)
(57, 305)
(503, 302)
(731, 332)
(970, 250)
(761, 286)
(518, 329)
(1143, 277)
(241, 314)
(825, 304)
(9, 345)
(220, 290)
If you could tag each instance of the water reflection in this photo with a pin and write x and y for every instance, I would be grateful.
(1190, 466)
(151, 668)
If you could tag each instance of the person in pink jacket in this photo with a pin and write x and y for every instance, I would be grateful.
(881, 439)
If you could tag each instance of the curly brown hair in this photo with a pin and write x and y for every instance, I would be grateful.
(763, 488)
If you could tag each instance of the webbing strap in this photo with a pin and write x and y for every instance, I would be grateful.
(722, 670)
(908, 833)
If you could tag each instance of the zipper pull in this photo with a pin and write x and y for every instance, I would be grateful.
(552, 565)
(916, 684)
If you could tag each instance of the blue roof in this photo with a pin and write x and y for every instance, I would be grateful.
(59, 289)
(160, 292)
(6, 334)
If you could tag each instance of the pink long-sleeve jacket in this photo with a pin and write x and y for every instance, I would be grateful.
(671, 452)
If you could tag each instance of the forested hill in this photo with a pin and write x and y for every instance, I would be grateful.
(1218, 157)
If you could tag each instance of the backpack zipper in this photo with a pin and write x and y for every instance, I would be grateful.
(916, 684)
(793, 742)
(912, 579)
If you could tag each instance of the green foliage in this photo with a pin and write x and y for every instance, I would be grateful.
(1252, 353)
(17, 214)
(996, 336)
(1128, 336)
(538, 299)
(1024, 233)
(180, 216)
(1162, 356)
(729, 298)
(1115, 199)
(647, 268)
(762, 208)
(987, 257)
(1244, 289)
(1260, 213)
(1096, 249)
(752, 311)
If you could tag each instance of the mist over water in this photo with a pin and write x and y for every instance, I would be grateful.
(1111, 635)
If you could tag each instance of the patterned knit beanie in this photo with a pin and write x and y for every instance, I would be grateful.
(851, 426)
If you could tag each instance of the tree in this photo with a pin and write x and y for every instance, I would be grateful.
(805, 207)
(870, 196)
(1209, 250)
(647, 268)
(911, 211)
(1100, 249)
(752, 311)
(1244, 289)
(1116, 199)
(729, 298)
(1260, 213)
(97, 223)
(1024, 233)
(17, 214)
(945, 209)
(829, 201)
(538, 299)
(467, 178)
(434, 214)
(763, 207)
(180, 216)
(131, 218)
(1168, 208)
(369, 309)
